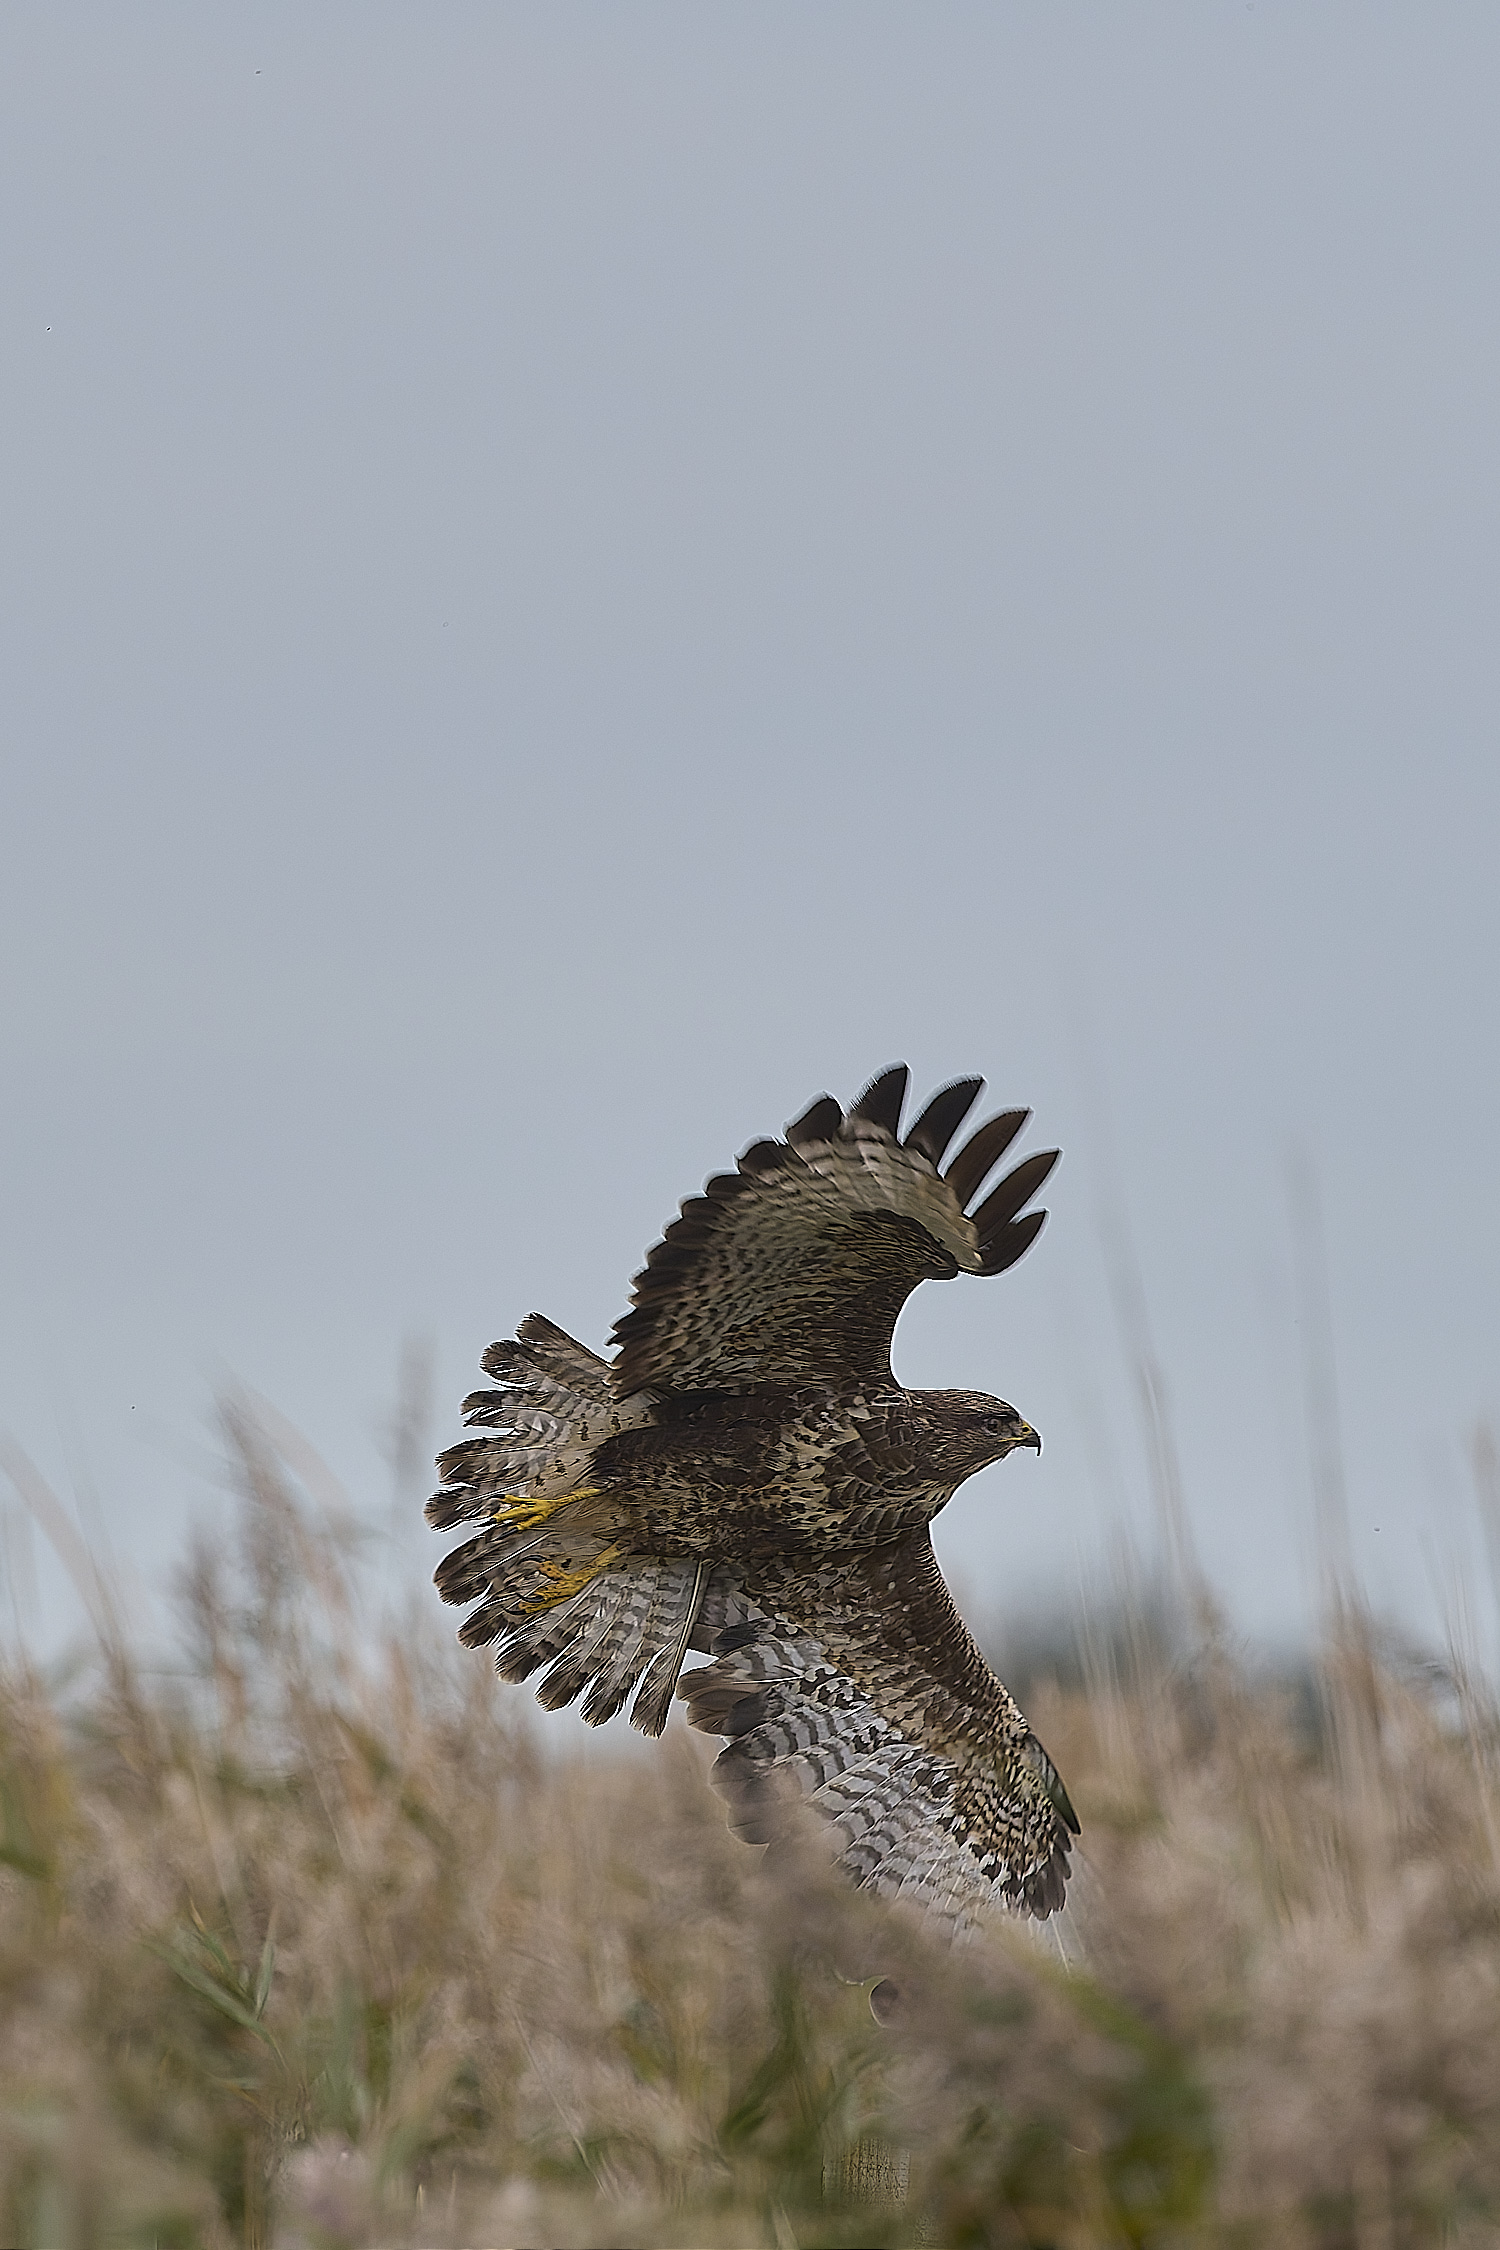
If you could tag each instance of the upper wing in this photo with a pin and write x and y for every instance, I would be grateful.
(792, 1269)
(858, 1689)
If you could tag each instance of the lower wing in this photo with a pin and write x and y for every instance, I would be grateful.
(856, 1689)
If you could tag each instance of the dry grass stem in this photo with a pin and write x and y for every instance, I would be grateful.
(303, 1944)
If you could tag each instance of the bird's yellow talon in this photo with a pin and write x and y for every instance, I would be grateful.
(559, 1582)
(519, 1512)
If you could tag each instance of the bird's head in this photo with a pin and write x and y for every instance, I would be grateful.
(966, 1430)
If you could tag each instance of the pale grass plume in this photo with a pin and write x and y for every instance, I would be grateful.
(302, 1942)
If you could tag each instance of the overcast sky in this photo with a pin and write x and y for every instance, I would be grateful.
(577, 575)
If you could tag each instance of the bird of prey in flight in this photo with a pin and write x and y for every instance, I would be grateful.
(745, 1477)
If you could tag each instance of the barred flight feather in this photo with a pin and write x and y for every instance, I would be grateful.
(942, 1117)
(632, 1617)
(553, 1410)
(766, 1277)
(812, 1726)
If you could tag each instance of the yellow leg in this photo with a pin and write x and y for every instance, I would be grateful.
(559, 1583)
(519, 1512)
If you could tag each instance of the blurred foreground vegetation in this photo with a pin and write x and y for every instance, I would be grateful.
(302, 1943)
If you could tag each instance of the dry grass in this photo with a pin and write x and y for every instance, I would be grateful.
(305, 1945)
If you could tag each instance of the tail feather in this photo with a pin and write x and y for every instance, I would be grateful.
(499, 1410)
(643, 1612)
(633, 1616)
(588, 1655)
(654, 1702)
(552, 1410)
(609, 1660)
(524, 1644)
(573, 1362)
(553, 1590)
(502, 1551)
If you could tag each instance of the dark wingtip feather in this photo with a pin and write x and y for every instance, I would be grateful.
(820, 1121)
(942, 1117)
(981, 1150)
(880, 1103)
(1047, 1891)
(1014, 1193)
(1011, 1243)
(770, 1156)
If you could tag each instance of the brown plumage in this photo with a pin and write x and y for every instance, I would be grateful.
(747, 1478)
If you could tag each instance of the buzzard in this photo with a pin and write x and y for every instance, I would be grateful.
(746, 1478)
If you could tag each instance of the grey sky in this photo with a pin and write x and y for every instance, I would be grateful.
(576, 575)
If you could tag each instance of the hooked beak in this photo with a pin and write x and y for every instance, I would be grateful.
(1029, 1436)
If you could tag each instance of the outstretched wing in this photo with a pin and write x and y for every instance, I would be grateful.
(857, 1689)
(792, 1269)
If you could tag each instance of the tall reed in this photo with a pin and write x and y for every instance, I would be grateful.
(303, 1942)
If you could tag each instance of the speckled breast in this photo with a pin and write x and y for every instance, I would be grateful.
(770, 1472)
